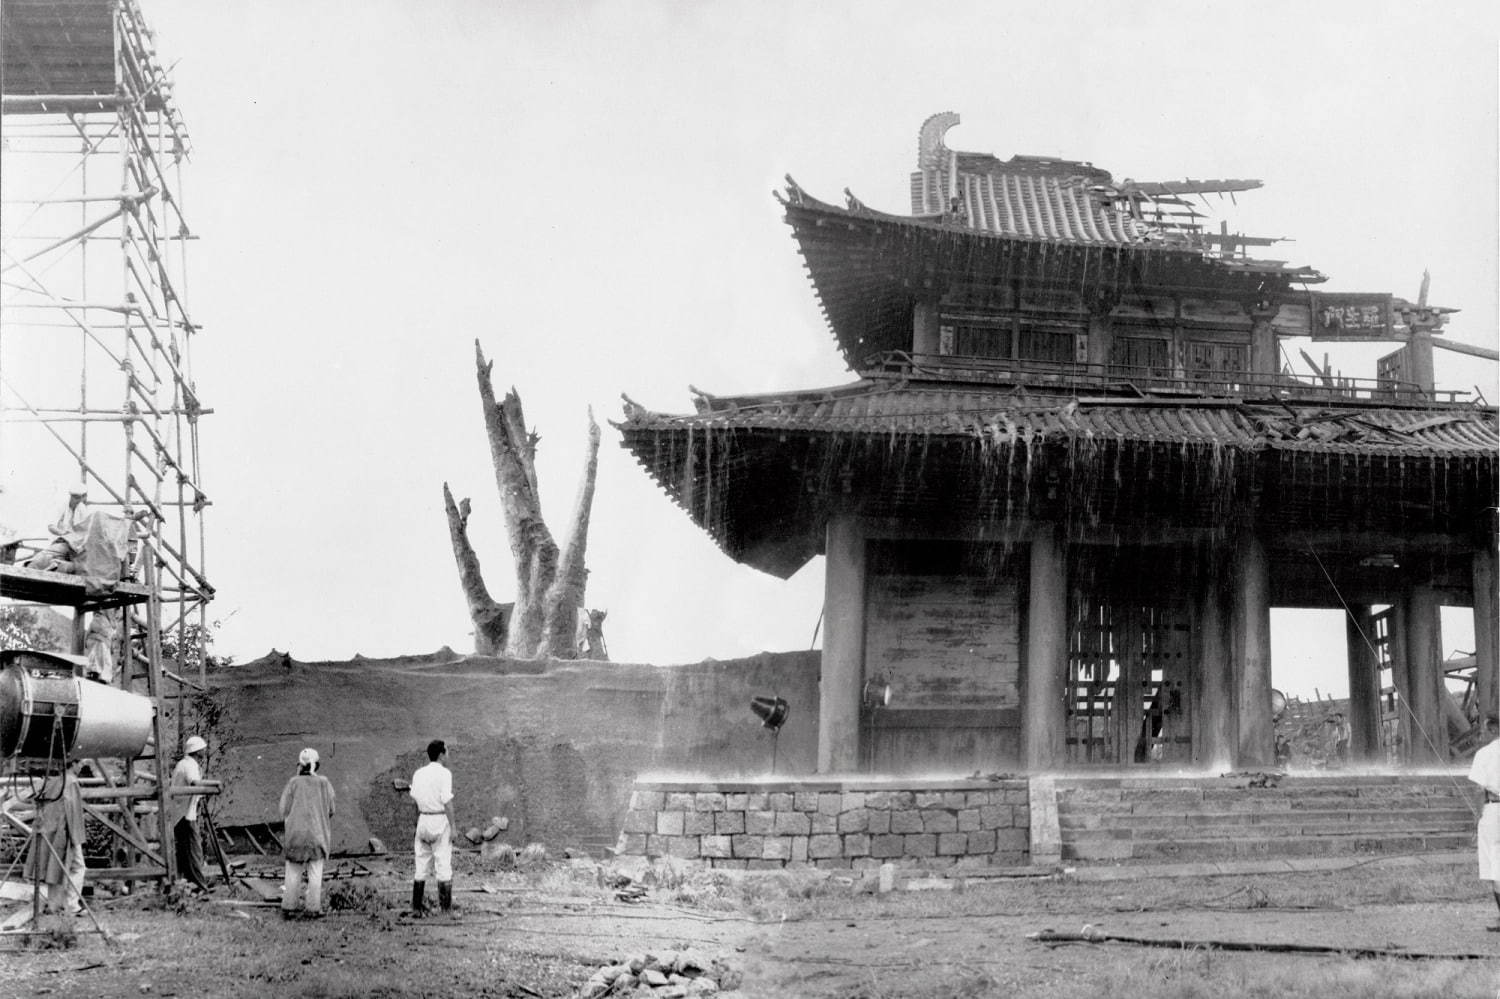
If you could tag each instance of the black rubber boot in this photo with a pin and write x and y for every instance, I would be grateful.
(445, 896)
(418, 888)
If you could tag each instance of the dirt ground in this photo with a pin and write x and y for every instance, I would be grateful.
(544, 931)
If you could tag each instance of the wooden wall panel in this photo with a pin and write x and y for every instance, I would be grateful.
(944, 641)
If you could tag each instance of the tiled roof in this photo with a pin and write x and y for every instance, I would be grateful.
(871, 406)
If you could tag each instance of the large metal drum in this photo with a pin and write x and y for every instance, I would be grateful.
(46, 712)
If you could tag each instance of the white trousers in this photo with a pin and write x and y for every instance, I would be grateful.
(1488, 839)
(291, 888)
(433, 848)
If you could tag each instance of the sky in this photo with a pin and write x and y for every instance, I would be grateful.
(586, 189)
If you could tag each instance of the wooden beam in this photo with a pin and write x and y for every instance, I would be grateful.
(1459, 347)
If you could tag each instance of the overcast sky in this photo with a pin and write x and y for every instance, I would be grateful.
(586, 189)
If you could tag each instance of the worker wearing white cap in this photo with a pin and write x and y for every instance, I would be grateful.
(184, 808)
(307, 818)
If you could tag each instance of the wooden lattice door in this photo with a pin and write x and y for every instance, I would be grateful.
(1130, 694)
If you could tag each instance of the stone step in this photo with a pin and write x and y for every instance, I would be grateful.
(1251, 802)
(1249, 823)
(1266, 832)
(1185, 849)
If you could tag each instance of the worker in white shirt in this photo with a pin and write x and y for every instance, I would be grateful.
(432, 790)
(1486, 773)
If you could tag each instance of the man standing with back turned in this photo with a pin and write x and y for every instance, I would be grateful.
(1486, 773)
(432, 790)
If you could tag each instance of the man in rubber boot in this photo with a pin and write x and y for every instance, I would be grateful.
(1486, 773)
(432, 790)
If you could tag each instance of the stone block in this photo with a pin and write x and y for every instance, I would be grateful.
(685, 847)
(638, 820)
(856, 845)
(919, 845)
(886, 846)
(854, 820)
(853, 800)
(714, 846)
(761, 864)
(903, 799)
(864, 863)
(759, 822)
(880, 820)
(820, 847)
(799, 849)
(758, 800)
(824, 823)
(939, 820)
(656, 846)
(978, 799)
(1012, 840)
(878, 799)
(647, 801)
(669, 823)
(1016, 796)
(805, 801)
(830, 802)
(929, 799)
(776, 848)
(729, 865)
(736, 802)
(709, 801)
(729, 822)
(952, 844)
(697, 823)
(746, 846)
(833, 863)
(982, 841)
(955, 799)
(633, 845)
(792, 824)
(680, 801)
(994, 817)
(906, 821)
(779, 801)
(968, 819)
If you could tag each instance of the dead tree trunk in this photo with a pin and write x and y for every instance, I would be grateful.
(550, 582)
(491, 619)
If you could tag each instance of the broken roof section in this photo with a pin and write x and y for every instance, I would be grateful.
(1056, 199)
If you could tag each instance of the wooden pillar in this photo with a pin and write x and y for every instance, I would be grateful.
(1419, 358)
(924, 328)
(1429, 737)
(843, 646)
(1215, 741)
(1101, 343)
(1401, 680)
(1046, 654)
(1364, 686)
(1486, 603)
(1265, 358)
(1252, 632)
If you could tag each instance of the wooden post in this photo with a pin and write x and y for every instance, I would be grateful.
(1486, 602)
(1252, 632)
(1364, 685)
(924, 328)
(1046, 654)
(1419, 357)
(1429, 737)
(1216, 740)
(1401, 680)
(843, 646)
(1264, 356)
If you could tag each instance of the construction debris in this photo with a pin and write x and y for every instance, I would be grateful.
(1093, 934)
(669, 975)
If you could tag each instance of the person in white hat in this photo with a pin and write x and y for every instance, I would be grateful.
(184, 809)
(307, 834)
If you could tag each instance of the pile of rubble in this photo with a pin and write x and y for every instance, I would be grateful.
(670, 975)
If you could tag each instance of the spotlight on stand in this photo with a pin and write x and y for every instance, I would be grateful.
(770, 710)
(772, 713)
(877, 693)
(49, 714)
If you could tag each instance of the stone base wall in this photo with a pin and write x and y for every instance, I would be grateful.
(830, 824)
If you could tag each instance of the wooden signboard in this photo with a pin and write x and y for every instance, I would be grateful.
(1351, 316)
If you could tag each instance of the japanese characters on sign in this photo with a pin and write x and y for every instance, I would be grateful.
(1351, 316)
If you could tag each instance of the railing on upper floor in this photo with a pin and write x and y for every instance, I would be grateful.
(1075, 376)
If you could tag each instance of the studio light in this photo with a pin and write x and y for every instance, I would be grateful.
(877, 693)
(47, 712)
(770, 710)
